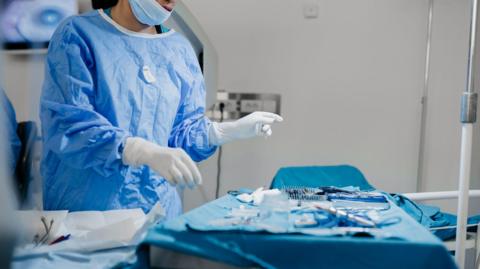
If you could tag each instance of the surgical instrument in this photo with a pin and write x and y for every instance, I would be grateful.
(37, 240)
(362, 221)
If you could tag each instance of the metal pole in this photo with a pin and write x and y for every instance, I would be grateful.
(424, 100)
(468, 118)
(441, 195)
(462, 212)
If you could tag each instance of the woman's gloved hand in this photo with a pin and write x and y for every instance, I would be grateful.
(171, 163)
(255, 124)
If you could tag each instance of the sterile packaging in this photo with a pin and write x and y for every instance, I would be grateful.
(87, 231)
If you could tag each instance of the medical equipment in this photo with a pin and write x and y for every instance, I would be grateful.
(342, 198)
(61, 239)
(305, 194)
(361, 221)
(359, 201)
(353, 206)
(233, 105)
(348, 205)
(30, 24)
(316, 210)
(38, 227)
(39, 239)
(364, 197)
(468, 119)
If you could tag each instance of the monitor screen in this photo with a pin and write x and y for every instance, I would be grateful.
(30, 23)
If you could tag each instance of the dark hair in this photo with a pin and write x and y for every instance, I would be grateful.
(103, 4)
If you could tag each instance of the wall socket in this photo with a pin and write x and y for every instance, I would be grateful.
(249, 106)
(237, 105)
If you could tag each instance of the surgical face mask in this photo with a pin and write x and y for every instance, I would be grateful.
(149, 12)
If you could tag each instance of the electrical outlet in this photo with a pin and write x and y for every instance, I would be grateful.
(249, 106)
(237, 105)
(230, 105)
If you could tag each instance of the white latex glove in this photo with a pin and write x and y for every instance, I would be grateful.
(255, 124)
(171, 163)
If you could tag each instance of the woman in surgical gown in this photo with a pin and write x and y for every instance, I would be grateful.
(122, 111)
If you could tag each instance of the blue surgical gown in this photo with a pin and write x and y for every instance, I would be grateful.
(9, 129)
(103, 84)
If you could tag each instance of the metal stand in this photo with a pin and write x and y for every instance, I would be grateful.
(424, 101)
(468, 118)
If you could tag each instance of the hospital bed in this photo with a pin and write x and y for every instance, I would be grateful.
(473, 238)
(176, 245)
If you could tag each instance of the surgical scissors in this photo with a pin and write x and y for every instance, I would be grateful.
(37, 240)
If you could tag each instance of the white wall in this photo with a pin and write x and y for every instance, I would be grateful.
(448, 81)
(448, 76)
(351, 83)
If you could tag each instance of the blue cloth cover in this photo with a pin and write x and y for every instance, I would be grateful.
(105, 259)
(410, 246)
(98, 91)
(320, 176)
(345, 175)
(432, 217)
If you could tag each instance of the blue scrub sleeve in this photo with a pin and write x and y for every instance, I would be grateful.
(9, 126)
(72, 129)
(191, 127)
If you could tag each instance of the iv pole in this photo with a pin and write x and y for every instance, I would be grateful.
(468, 119)
(424, 101)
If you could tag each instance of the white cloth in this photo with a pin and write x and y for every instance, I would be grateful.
(257, 196)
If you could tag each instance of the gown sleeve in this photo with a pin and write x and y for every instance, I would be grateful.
(72, 129)
(12, 142)
(191, 127)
